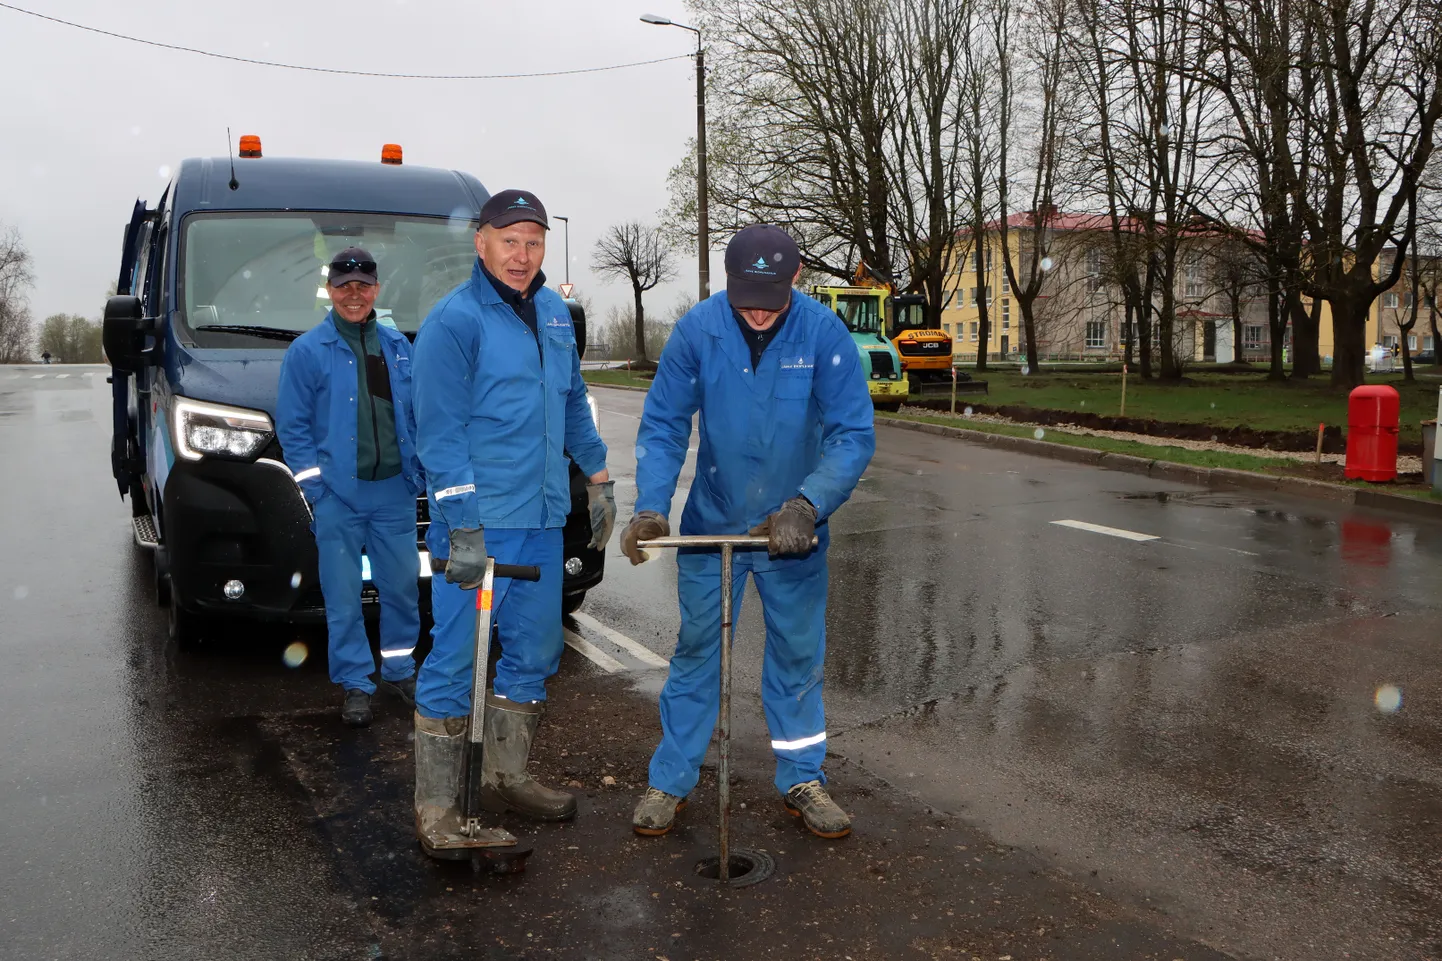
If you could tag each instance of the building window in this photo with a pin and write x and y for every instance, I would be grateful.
(1192, 276)
(1094, 268)
(1389, 341)
(1005, 314)
(946, 300)
(1252, 336)
(974, 325)
(1427, 342)
(1408, 299)
(1005, 280)
(1096, 334)
(1411, 343)
(1389, 299)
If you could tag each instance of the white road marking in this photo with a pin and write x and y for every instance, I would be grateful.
(36, 376)
(636, 649)
(1109, 531)
(599, 657)
(61, 376)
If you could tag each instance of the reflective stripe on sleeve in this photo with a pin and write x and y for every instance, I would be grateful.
(799, 744)
(307, 474)
(454, 491)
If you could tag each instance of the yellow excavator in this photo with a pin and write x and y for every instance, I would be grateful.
(925, 351)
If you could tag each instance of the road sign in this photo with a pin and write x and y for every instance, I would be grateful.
(566, 290)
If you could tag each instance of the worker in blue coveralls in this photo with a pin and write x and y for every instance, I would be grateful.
(785, 433)
(343, 416)
(499, 403)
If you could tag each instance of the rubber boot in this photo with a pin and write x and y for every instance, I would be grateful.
(506, 747)
(440, 823)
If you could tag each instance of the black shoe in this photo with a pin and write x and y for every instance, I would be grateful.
(356, 712)
(406, 688)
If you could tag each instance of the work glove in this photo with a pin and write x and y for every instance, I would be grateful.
(601, 498)
(467, 563)
(645, 526)
(789, 530)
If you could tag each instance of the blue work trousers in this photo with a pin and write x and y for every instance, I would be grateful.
(527, 618)
(793, 602)
(382, 521)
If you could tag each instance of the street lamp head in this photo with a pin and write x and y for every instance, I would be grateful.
(653, 18)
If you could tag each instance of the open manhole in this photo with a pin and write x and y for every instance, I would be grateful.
(747, 867)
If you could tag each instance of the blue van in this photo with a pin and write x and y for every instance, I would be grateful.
(215, 282)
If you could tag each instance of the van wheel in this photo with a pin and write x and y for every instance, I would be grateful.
(571, 603)
(183, 628)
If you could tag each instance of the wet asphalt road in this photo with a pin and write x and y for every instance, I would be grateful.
(1058, 742)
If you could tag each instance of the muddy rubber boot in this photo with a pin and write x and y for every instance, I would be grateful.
(506, 746)
(440, 823)
(656, 812)
(822, 816)
(356, 711)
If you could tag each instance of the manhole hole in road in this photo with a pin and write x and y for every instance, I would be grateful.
(747, 868)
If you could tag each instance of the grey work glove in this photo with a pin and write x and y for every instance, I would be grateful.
(467, 563)
(601, 498)
(789, 530)
(643, 527)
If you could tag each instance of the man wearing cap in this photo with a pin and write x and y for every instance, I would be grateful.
(499, 403)
(343, 416)
(785, 433)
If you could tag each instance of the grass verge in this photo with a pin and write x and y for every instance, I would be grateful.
(623, 378)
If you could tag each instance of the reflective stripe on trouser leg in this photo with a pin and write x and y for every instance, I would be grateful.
(395, 569)
(691, 697)
(793, 601)
(339, 534)
(528, 613)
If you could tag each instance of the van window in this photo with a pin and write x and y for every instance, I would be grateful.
(265, 268)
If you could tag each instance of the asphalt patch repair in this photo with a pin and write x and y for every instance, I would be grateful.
(908, 882)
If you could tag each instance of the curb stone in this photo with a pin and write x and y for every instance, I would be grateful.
(1214, 478)
(642, 390)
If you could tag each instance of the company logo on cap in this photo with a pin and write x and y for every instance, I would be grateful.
(762, 267)
(518, 202)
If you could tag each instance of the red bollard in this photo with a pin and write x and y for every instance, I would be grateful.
(1374, 412)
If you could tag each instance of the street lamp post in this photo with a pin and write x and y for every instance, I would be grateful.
(567, 222)
(703, 225)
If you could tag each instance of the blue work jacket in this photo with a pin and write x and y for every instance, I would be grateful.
(315, 410)
(493, 422)
(800, 423)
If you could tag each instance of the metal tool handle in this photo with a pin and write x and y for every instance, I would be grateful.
(518, 572)
(711, 540)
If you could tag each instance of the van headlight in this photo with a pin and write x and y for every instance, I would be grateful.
(215, 430)
(595, 412)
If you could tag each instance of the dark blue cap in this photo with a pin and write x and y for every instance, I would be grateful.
(761, 263)
(353, 263)
(511, 207)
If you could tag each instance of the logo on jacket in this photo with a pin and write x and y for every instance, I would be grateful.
(801, 363)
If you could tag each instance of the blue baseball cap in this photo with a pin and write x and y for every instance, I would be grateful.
(511, 207)
(761, 263)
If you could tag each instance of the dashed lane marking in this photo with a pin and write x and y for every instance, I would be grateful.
(36, 376)
(590, 651)
(636, 649)
(1109, 531)
(61, 376)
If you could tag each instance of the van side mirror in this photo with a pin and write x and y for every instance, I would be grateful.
(578, 321)
(123, 332)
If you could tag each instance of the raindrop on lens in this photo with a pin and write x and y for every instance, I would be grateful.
(245, 274)
(1388, 699)
(22, 592)
(640, 452)
(295, 654)
(966, 413)
(1046, 263)
(1025, 369)
(1038, 433)
(164, 171)
(295, 580)
(835, 359)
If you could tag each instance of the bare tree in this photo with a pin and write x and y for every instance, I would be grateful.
(16, 278)
(637, 254)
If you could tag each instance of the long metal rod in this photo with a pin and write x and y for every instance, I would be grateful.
(475, 729)
(705, 540)
(723, 777)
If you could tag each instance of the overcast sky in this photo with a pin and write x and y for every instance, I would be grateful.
(88, 122)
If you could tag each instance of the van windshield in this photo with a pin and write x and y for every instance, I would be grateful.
(258, 270)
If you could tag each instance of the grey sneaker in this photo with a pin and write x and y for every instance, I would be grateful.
(406, 688)
(822, 816)
(356, 712)
(656, 812)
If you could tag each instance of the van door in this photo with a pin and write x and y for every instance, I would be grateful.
(126, 461)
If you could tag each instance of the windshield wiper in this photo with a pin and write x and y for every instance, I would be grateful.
(274, 333)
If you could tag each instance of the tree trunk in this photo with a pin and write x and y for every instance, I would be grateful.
(640, 324)
(1306, 335)
(1407, 375)
(1349, 333)
(983, 310)
(1277, 325)
(1171, 369)
(1436, 340)
(1237, 357)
